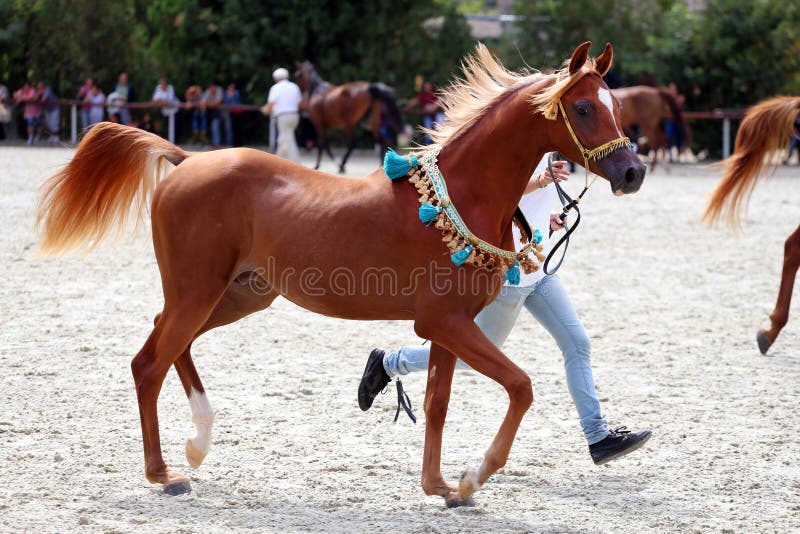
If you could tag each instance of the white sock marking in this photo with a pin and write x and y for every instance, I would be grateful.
(203, 419)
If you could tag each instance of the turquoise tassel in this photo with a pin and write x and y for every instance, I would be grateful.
(537, 236)
(512, 275)
(396, 166)
(428, 213)
(460, 256)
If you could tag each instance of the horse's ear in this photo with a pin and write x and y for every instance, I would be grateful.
(579, 57)
(603, 62)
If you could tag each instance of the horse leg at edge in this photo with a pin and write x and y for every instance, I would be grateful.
(321, 142)
(780, 315)
(351, 133)
(460, 335)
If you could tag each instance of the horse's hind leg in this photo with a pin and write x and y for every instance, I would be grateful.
(779, 316)
(241, 299)
(174, 331)
(197, 447)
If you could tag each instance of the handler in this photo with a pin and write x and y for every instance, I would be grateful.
(546, 299)
(283, 103)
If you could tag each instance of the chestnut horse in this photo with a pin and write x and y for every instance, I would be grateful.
(343, 107)
(643, 106)
(234, 229)
(766, 128)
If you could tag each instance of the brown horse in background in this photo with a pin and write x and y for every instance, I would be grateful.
(234, 229)
(644, 106)
(343, 107)
(766, 129)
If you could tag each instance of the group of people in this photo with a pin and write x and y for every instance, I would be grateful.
(40, 111)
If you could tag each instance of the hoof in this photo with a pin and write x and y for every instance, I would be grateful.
(194, 456)
(178, 488)
(763, 342)
(457, 503)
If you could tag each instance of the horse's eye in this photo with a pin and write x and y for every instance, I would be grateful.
(582, 110)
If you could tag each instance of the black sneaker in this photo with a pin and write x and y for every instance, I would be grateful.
(617, 444)
(373, 381)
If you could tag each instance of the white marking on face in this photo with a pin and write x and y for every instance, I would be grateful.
(605, 97)
(203, 419)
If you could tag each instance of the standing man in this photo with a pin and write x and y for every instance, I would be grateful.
(283, 103)
(126, 95)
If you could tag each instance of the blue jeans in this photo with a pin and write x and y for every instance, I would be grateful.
(549, 304)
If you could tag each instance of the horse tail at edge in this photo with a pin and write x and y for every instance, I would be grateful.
(104, 190)
(386, 94)
(766, 127)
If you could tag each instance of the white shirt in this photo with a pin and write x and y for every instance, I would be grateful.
(166, 95)
(286, 96)
(536, 206)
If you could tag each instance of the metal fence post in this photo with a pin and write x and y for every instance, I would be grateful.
(726, 138)
(73, 117)
(171, 132)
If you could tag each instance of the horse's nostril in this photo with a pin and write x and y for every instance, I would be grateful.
(634, 174)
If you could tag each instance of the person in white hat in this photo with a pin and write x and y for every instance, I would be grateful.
(283, 103)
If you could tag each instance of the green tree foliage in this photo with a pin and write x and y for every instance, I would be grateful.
(731, 53)
(196, 41)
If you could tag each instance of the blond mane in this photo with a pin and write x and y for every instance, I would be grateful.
(484, 82)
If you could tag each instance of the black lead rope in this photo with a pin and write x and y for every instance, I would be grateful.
(568, 204)
(403, 401)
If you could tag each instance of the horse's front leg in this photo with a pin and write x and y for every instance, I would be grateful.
(437, 396)
(780, 315)
(461, 336)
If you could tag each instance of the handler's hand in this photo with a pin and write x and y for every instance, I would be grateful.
(556, 223)
(544, 178)
(560, 173)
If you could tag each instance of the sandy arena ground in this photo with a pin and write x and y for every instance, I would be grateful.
(672, 309)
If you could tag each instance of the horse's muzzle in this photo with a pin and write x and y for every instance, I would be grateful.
(625, 173)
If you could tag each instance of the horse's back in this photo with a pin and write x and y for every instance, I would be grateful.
(259, 213)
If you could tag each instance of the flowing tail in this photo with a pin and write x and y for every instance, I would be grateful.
(106, 187)
(386, 94)
(767, 127)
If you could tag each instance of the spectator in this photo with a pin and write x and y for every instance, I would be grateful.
(283, 103)
(147, 123)
(6, 111)
(194, 100)
(431, 110)
(164, 95)
(96, 100)
(212, 98)
(231, 98)
(52, 112)
(32, 112)
(114, 103)
(82, 92)
(125, 95)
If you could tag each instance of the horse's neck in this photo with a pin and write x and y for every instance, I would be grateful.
(488, 166)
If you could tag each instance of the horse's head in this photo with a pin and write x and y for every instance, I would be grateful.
(587, 125)
(306, 76)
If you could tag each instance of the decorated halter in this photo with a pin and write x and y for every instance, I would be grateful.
(437, 209)
(596, 154)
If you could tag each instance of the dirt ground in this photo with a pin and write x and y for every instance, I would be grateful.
(672, 309)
